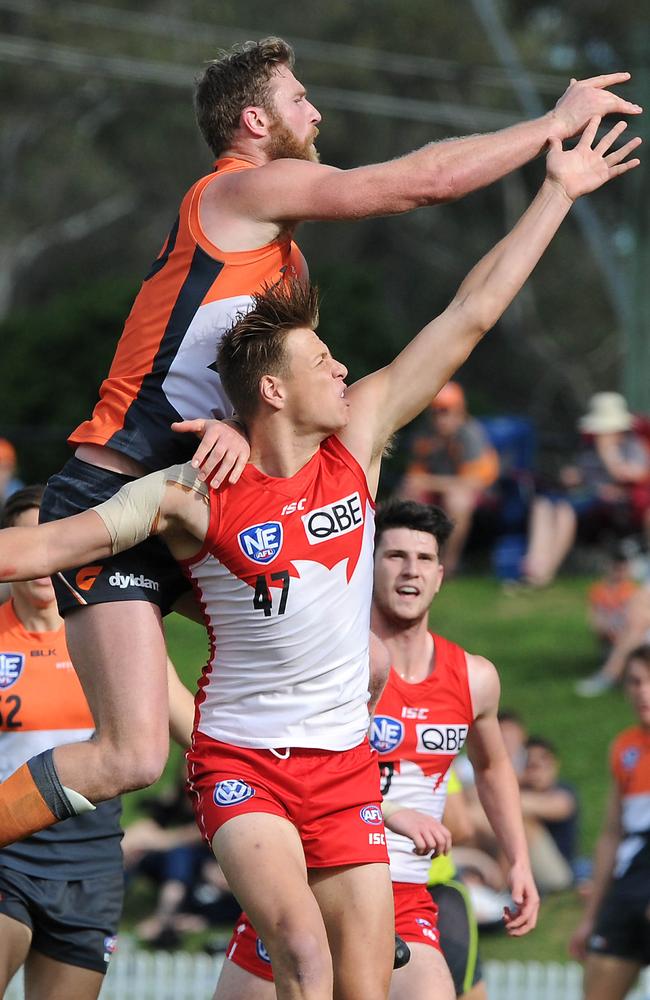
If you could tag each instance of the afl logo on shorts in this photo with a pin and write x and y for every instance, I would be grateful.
(261, 542)
(372, 815)
(386, 733)
(231, 792)
(11, 667)
(261, 951)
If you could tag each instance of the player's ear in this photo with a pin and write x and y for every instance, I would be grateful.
(272, 391)
(255, 122)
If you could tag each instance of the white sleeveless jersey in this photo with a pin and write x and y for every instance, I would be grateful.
(417, 730)
(285, 583)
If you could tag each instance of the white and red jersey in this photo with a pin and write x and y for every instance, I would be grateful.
(417, 731)
(285, 582)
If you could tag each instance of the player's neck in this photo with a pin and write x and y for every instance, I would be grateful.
(410, 647)
(280, 450)
(35, 619)
(246, 151)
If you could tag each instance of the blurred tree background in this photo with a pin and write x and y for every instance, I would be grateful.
(99, 143)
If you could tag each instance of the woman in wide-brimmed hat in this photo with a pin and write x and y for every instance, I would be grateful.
(596, 491)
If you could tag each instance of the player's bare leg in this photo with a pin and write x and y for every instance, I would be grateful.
(118, 651)
(358, 910)
(262, 858)
(236, 983)
(46, 979)
(425, 976)
(608, 977)
(15, 942)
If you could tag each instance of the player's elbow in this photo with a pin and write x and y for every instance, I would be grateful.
(476, 315)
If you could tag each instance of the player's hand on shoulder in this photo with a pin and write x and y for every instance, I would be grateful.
(522, 917)
(223, 452)
(429, 836)
(583, 99)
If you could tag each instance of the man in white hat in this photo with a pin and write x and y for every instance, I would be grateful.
(596, 490)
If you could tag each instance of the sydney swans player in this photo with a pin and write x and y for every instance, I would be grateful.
(285, 784)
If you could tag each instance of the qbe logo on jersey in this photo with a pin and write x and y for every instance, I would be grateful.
(232, 792)
(261, 542)
(441, 738)
(11, 667)
(386, 733)
(333, 519)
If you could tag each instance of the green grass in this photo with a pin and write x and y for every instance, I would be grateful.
(540, 644)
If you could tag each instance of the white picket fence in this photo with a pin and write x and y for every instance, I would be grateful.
(140, 975)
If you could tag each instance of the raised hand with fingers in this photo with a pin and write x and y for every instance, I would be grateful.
(585, 99)
(223, 452)
(583, 169)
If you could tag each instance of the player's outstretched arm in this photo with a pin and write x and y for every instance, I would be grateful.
(498, 790)
(297, 190)
(31, 553)
(386, 400)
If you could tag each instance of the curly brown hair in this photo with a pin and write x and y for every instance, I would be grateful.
(238, 78)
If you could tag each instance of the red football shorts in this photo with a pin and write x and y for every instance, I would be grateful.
(247, 950)
(416, 914)
(416, 919)
(331, 797)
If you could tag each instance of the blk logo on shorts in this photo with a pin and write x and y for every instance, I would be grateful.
(386, 733)
(261, 951)
(11, 667)
(231, 792)
(372, 815)
(261, 542)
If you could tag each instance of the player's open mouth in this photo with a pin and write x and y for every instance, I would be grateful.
(408, 591)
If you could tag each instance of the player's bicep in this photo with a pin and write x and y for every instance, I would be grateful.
(72, 541)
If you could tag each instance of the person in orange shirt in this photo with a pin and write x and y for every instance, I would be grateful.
(233, 236)
(61, 889)
(614, 934)
(452, 464)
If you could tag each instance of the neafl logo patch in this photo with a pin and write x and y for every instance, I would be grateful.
(261, 542)
(11, 667)
(336, 518)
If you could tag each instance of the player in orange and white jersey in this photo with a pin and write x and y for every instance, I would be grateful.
(275, 802)
(61, 889)
(614, 935)
(233, 235)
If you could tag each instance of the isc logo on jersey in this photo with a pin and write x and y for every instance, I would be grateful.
(336, 518)
(11, 667)
(441, 738)
(386, 733)
(231, 792)
(261, 542)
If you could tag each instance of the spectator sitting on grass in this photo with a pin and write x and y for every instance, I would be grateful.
(635, 632)
(609, 598)
(550, 809)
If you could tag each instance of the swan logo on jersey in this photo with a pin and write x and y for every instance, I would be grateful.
(261, 542)
(261, 951)
(630, 758)
(386, 733)
(441, 738)
(336, 518)
(231, 792)
(11, 667)
(372, 815)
